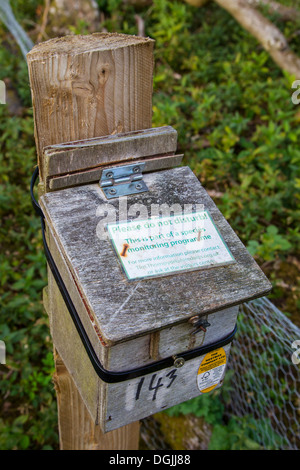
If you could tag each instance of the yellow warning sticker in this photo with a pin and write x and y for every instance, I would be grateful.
(211, 370)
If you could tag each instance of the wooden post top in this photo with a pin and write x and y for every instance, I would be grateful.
(81, 44)
(90, 86)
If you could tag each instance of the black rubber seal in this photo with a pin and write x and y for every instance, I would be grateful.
(103, 374)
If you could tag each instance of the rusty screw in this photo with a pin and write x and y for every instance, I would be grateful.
(199, 323)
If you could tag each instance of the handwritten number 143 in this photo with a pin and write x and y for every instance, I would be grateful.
(155, 384)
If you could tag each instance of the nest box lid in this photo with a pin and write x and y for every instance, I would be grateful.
(122, 308)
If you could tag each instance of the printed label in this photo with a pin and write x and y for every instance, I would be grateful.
(211, 370)
(164, 245)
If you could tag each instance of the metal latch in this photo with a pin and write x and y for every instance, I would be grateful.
(123, 180)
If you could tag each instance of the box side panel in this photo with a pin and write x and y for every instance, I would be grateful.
(67, 341)
(72, 352)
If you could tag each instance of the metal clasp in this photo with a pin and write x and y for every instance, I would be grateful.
(123, 180)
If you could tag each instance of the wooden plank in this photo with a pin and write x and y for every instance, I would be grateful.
(82, 155)
(77, 430)
(89, 86)
(91, 175)
(144, 306)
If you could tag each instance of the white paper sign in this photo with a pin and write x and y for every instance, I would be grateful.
(165, 245)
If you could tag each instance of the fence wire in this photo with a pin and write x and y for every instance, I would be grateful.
(266, 376)
(265, 370)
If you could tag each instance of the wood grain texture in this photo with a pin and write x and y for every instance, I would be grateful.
(90, 86)
(135, 323)
(92, 175)
(85, 154)
(143, 306)
(77, 430)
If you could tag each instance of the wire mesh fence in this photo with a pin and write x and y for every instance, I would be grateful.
(265, 372)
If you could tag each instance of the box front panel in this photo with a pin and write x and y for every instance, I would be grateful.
(141, 397)
(172, 340)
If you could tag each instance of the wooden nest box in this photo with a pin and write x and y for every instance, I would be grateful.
(153, 274)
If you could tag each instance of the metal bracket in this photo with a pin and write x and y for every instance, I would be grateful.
(123, 180)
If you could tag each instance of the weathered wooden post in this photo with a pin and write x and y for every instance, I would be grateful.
(85, 87)
(145, 274)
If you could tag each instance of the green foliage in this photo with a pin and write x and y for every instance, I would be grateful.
(28, 403)
(235, 435)
(271, 243)
(240, 434)
(238, 129)
(26, 11)
(207, 407)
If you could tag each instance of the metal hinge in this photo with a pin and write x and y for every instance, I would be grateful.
(123, 180)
